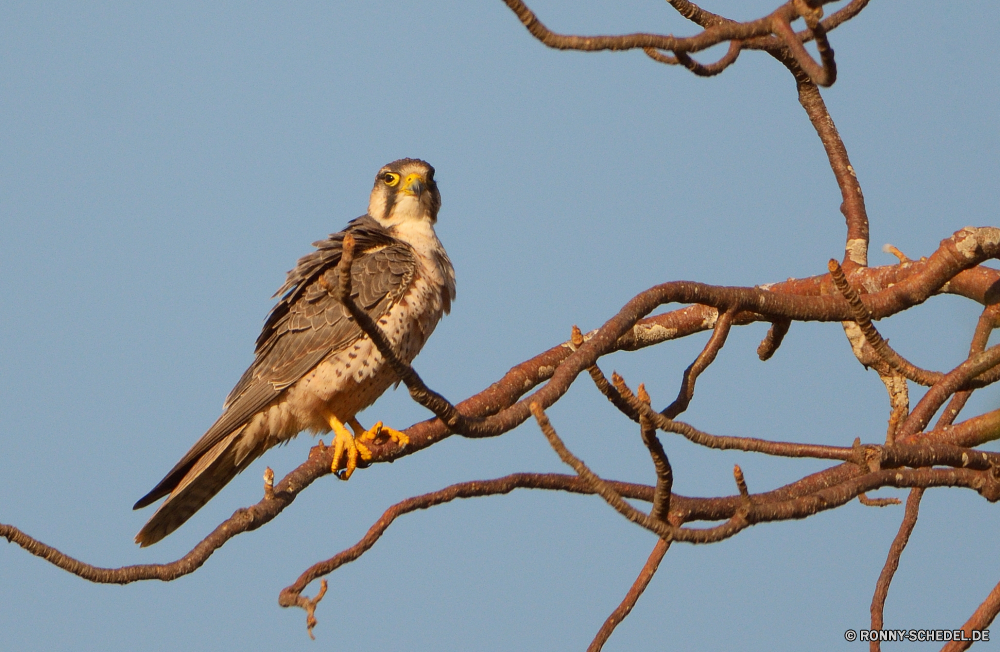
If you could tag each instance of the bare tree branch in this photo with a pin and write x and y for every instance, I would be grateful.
(622, 611)
(892, 562)
(911, 457)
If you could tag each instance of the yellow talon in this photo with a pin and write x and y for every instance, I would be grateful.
(343, 442)
(351, 445)
(378, 429)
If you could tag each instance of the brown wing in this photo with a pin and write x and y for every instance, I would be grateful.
(304, 327)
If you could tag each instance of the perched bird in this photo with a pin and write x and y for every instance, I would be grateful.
(314, 368)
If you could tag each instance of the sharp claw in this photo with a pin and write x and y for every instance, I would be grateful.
(379, 429)
(343, 442)
(353, 446)
(372, 433)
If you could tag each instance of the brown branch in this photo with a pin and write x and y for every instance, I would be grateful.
(874, 338)
(892, 561)
(821, 74)
(716, 30)
(876, 502)
(971, 432)
(713, 35)
(805, 498)
(903, 286)
(696, 14)
(600, 487)
(952, 382)
(847, 12)
(897, 288)
(899, 402)
(808, 496)
(704, 18)
(892, 289)
(981, 337)
(704, 359)
(749, 444)
(775, 336)
(243, 520)
(418, 390)
(291, 596)
(661, 464)
(601, 381)
(741, 483)
(611, 393)
(980, 619)
(702, 70)
(853, 206)
(622, 611)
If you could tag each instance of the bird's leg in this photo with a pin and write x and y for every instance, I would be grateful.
(344, 442)
(378, 429)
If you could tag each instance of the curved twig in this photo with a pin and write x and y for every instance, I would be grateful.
(955, 380)
(892, 561)
(700, 364)
(853, 206)
(600, 487)
(864, 321)
(721, 442)
(984, 327)
(661, 464)
(291, 596)
(821, 74)
(775, 336)
(702, 70)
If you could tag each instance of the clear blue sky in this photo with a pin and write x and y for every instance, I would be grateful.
(162, 166)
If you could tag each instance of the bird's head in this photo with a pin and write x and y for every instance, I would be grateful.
(405, 192)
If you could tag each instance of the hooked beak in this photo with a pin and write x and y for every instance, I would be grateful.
(414, 185)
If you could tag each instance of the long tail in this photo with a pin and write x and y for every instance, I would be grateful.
(209, 474)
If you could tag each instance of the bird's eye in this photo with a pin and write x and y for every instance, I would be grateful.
(390, 178)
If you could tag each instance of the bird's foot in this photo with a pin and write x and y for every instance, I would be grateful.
(346, 450)
(378, 430)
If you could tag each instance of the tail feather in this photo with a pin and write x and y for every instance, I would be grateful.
(209, 474)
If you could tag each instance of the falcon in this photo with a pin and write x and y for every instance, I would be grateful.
(314, 369)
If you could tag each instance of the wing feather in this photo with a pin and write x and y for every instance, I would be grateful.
(305, 326)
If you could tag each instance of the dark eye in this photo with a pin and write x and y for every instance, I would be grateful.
(390, 178)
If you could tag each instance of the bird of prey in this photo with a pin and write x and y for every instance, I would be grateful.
(314, 368)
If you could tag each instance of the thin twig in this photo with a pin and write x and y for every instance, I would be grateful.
(664, 472)
(602, 488)
(622, 611)
(775, 336)
(981, 337)
(601, 382)
(853, 206)
(291, 596)
(707, 356)
(750, 444)
(741, 483)
(422, 394)
(881, 347)
(892, 561)
(953, 381)
(876, 502)
(702, 70)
